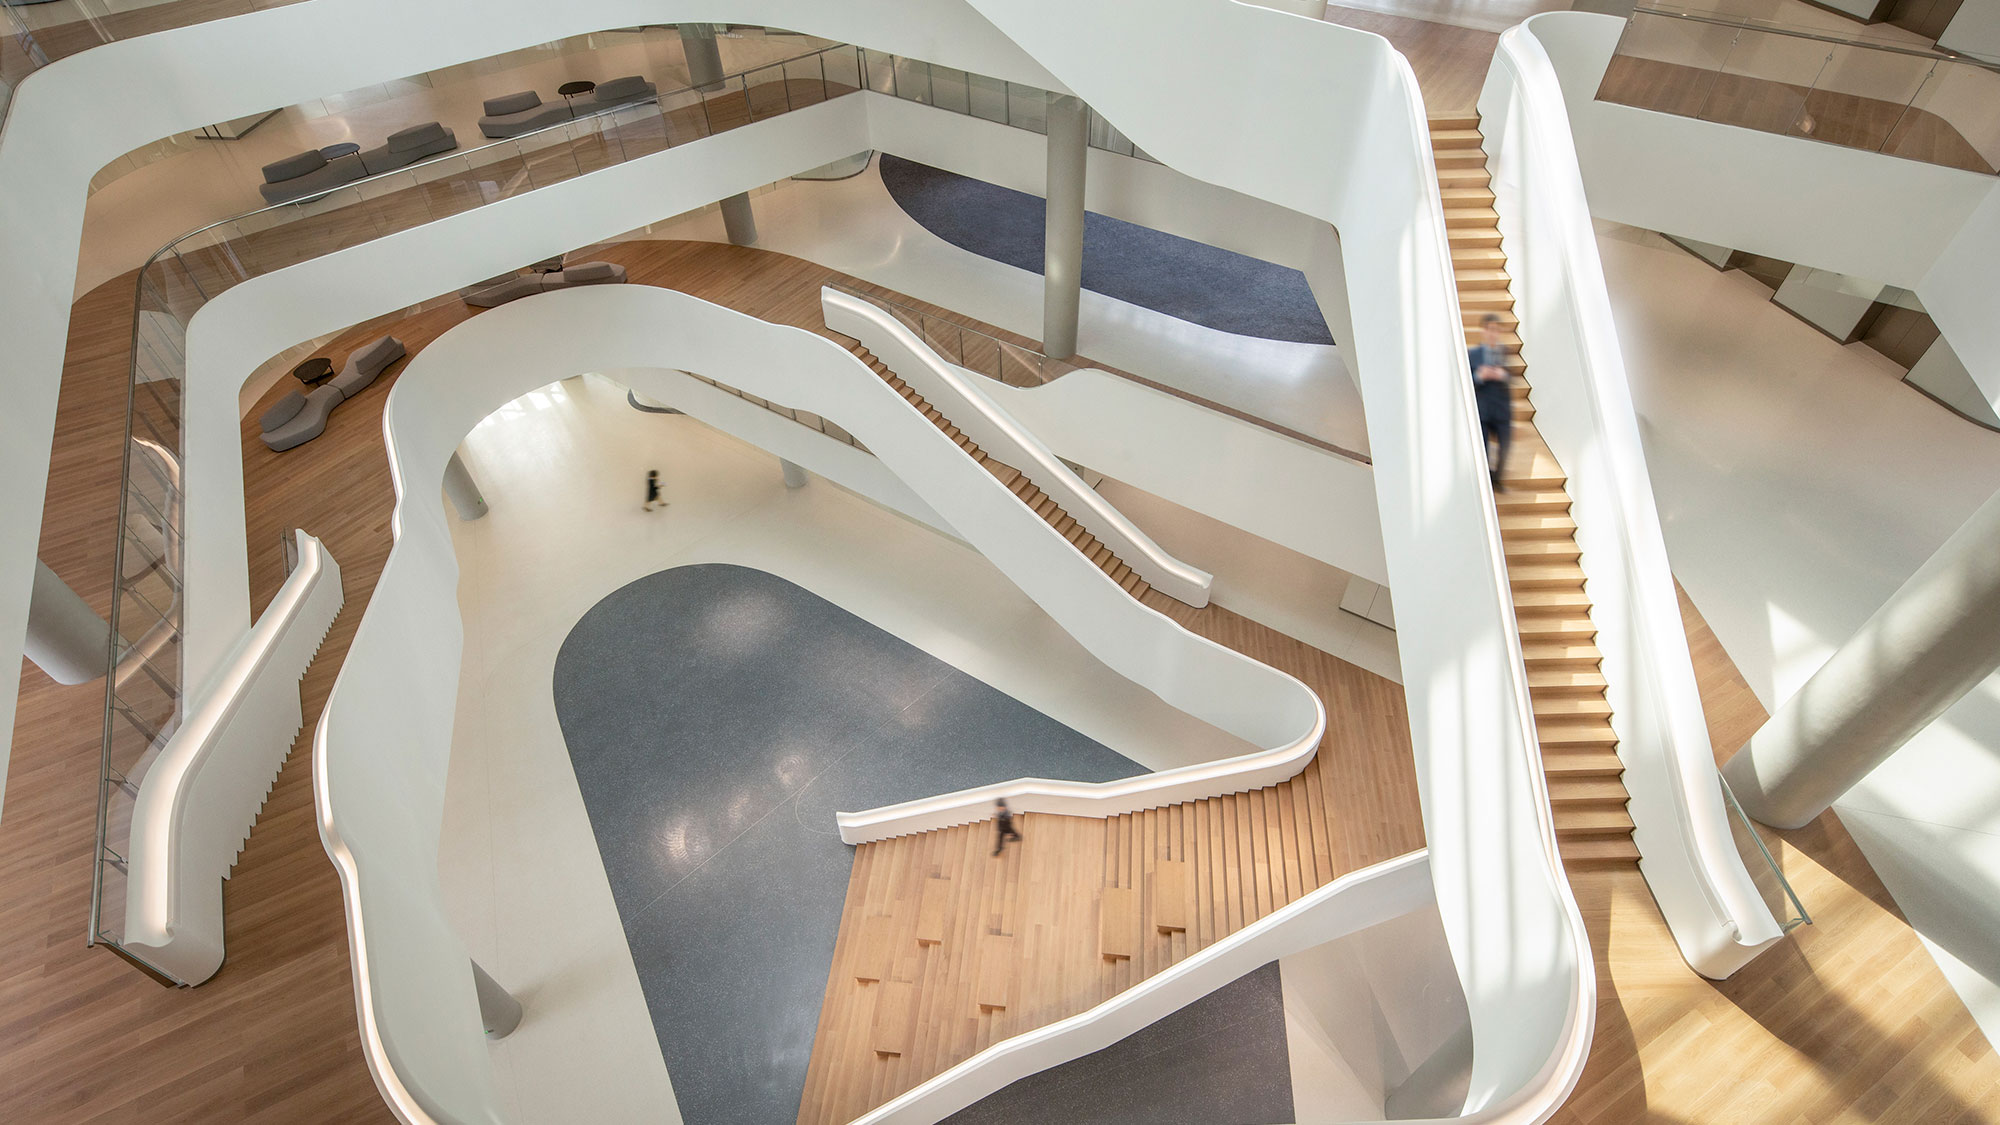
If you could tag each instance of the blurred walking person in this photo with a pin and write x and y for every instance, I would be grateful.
(1004, 819)
(1494, 393)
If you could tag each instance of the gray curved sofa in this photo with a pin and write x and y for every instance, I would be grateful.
(300, 417)
(524, 111)
(507, 287)
(407, 146)
(521, 112)
(622, 91)
(306, 174)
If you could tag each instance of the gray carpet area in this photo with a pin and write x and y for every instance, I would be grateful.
(1189, 280)
(1221, 1060)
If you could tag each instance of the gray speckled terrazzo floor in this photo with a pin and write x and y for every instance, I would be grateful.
(1221, 1060)
(716, 717)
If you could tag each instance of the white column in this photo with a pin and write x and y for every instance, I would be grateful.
(1062, 256)
(795, 476)
(1930, 643)
(462, 490)
(498, 1009)
(704, 61)
(66, 638)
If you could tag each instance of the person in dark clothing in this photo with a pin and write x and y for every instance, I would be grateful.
(653, 491)
(1004, 818)
(1494, 394)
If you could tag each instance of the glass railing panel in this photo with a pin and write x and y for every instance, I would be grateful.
(879, 71)
(842, 69)
(1860, 95)
(767, 92)
(1877, 94)
(986, 98)
(951, 89)
(1953, 119)
(1764, 869)
(1762, 84)
(913, 80)
(1027, 108)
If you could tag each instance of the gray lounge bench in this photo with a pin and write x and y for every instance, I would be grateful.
(496, 291)
(407, 146)
(299, 417)
(521, 112)
(307, 174)
(620, 91)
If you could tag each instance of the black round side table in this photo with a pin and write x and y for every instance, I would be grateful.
(335, 152)
(318, 369)
(571, 90)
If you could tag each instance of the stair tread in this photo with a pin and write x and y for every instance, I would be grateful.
(1581, 788)
(1598, 849)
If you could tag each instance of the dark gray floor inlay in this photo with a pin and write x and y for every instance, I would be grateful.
(716, 717)
(1221, 1060)
(1180, 277)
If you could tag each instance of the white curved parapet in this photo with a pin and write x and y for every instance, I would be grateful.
(1347, 905)
(385, 739)
(198, 800)
(1584, 411)
(987, 423)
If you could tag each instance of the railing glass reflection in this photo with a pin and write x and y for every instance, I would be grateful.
(1873, 93)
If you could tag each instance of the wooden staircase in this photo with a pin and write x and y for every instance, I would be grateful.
(945, 949)
(1579, 749)
(1037, 501)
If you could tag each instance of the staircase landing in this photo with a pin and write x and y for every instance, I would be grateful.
(945, 949)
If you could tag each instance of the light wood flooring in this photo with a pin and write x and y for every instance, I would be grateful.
(1850, 1022)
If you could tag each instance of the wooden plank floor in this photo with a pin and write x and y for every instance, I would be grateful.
(1848, 1020)
(1032, 926)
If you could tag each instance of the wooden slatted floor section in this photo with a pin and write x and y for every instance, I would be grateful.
(945, 949)
(1558, 641)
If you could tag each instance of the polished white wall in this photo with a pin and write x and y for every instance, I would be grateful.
(1584, 411)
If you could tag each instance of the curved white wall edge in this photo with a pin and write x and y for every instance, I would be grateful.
(1365, 167)
(385, 740)
(988, 424)
(70, 118)
(1584, 411)
(1347, 905)
(198, 801)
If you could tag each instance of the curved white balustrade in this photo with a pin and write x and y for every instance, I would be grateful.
(200, 796)
(385, 738)
(1584, 411)
(959, 397)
